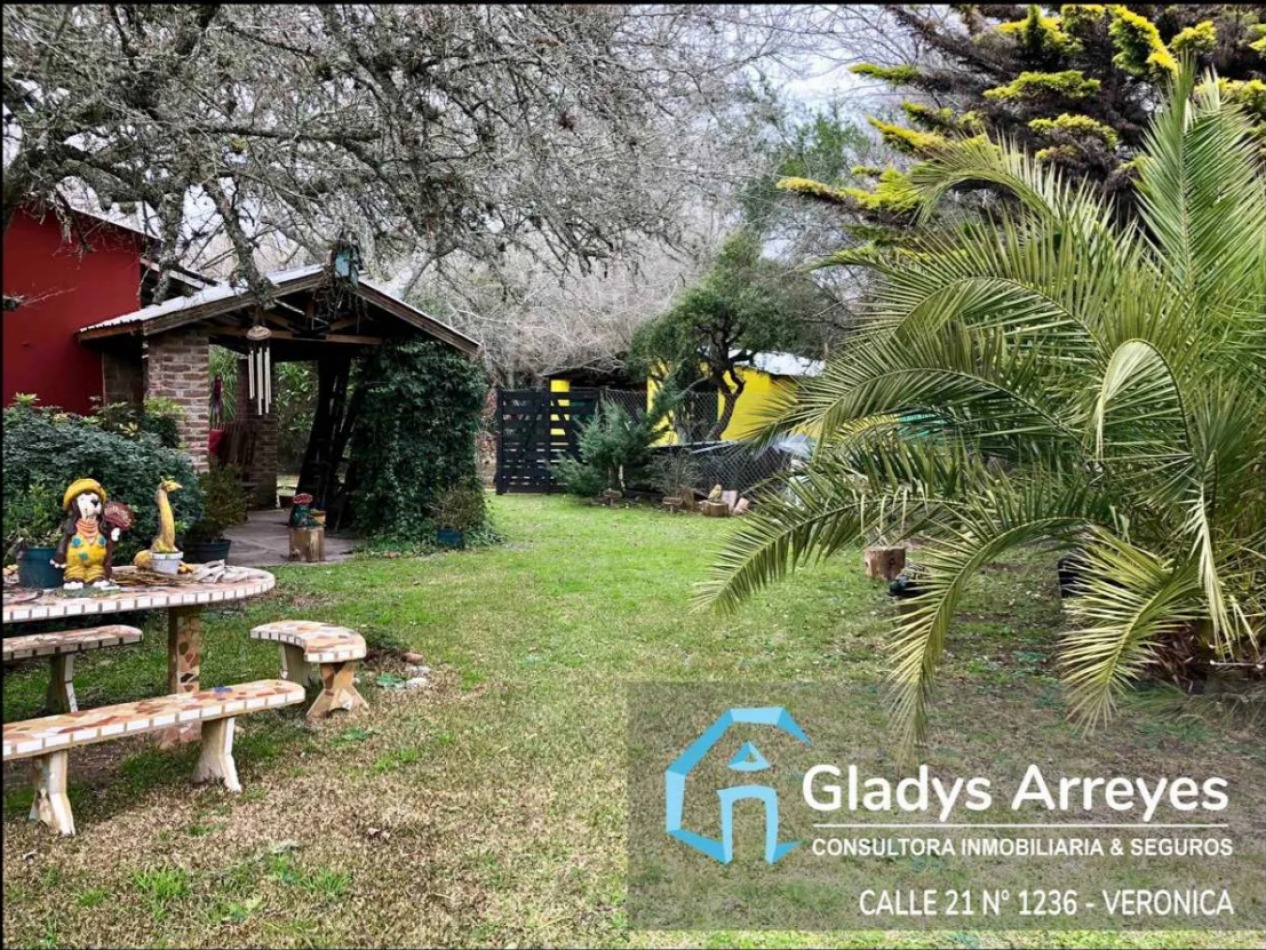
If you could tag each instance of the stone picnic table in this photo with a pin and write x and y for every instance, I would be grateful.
(184, 603)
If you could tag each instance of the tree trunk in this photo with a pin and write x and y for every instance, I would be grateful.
(319, 473)
(729, 399)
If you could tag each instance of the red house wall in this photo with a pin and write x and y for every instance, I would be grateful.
(66, 287)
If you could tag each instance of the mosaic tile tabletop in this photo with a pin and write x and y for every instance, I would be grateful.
(321, 642)
(54, 605)
(50, 733)
(68, 641)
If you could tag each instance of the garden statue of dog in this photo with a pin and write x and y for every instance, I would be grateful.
(87, 546)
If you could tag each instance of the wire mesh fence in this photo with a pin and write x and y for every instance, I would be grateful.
(536, 429)
(733, 465)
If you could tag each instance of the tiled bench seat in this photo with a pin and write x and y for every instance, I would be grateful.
(48, 740)
(335, 649)
(61, 648)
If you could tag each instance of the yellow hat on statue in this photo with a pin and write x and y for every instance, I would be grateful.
(78, 487)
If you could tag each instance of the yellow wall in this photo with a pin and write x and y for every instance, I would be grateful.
(559, 386)
(751, 410)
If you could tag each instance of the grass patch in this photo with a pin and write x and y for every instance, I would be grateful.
(491, 807)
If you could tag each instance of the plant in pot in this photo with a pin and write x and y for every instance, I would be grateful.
(457, 510)
(224, 505)
(32, 529)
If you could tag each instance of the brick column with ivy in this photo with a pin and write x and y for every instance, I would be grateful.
(177, 367)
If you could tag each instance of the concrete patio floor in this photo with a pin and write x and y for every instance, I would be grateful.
(264, 539)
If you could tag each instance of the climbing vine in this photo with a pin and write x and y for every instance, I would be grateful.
(414, 435)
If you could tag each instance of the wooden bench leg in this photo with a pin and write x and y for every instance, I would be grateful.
(51, 804)
(294, 667)
(216, 763)
(61, 688)
(338, 691)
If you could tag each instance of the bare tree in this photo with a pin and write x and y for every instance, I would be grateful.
(559, 132)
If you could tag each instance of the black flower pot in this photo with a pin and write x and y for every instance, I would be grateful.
(35, 571)
(450, 538)
(201, 552)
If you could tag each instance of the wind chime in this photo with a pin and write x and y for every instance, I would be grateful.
(259, 367)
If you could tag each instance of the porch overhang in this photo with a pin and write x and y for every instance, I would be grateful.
(367, 316)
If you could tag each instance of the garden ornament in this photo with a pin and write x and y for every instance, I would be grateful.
(165, 542)
(301, 514)
(715, 495)
(87, 546)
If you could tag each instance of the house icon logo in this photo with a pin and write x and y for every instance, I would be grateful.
(746, 759)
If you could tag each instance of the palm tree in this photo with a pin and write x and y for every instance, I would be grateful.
(1057, 377)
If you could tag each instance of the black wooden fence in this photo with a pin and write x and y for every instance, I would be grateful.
(536, 429)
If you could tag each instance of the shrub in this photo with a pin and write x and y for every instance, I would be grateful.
(158, 416)
(460, 508)
(615, 450)
(46, 449)
(32, 518)
(578, 478)
(676, 472)
(223, 503)
(414, 434)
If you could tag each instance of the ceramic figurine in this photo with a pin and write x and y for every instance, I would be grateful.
(86, 549)
(301, 511)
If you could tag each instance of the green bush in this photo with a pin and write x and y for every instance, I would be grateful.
(159, 417)
(615, 450)
(32, 518)
(223, 503)
(414, 434)
(46, 449)
(578, 478)
(460, 508)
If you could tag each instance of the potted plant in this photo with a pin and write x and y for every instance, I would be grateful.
(458, 510)
(223, 505)
(33, 527)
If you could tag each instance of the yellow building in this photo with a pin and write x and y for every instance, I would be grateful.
(765, 377)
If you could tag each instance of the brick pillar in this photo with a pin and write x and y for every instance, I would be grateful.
(263, 468)
(122, 379)
(177, 368)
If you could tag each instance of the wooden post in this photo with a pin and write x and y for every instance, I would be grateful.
(51, 804)
(61, 688)
(216, 762)
(887, 563)
(184, 665)
(338, 690)
(294, 667)
(307, 544)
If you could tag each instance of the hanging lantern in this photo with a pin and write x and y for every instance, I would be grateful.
(259, 374)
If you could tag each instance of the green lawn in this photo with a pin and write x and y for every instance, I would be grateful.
(490, 808)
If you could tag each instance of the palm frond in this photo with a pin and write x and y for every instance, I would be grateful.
(1129, 599)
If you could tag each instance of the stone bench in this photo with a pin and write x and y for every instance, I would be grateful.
(61, 648)
(48, 740)
(334, 649)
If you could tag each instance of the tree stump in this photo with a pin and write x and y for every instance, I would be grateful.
(884, 562)
(307, 544)
(714, 509)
